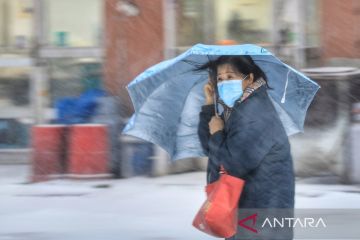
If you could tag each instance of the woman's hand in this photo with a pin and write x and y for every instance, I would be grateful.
(209, 93)
(216, 124)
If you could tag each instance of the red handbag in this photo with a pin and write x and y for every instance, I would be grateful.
(218, 215)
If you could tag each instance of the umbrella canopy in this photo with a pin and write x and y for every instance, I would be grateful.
(168, 96)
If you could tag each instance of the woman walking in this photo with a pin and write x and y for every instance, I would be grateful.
(248, 138)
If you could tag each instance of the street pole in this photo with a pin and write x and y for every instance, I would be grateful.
(39, 79)
(300, 35)
(169, 23)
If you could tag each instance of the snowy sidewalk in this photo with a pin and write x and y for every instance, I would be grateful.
(138, 208)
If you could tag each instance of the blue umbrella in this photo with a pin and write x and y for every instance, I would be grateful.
(168, 96)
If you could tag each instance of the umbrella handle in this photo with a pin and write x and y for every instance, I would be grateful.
(215, 105)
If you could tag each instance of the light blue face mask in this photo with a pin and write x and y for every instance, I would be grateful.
(230, 91)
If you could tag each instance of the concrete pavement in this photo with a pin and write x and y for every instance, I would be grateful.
(138, 208)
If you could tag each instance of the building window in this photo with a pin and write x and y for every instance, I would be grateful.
(16, 18)
(189, 22)
(75, 23)
(245, 21)
(72, 77)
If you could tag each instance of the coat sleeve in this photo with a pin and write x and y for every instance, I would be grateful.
(207, 112)
(245, 145)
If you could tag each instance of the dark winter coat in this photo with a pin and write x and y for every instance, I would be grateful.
(253, 146)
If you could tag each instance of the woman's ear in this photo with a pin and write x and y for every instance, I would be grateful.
(251, 78)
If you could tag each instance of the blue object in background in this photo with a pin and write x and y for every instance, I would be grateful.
(74, 110)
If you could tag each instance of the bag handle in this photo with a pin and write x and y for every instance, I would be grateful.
(222, 170)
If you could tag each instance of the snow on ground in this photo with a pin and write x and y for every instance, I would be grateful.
(139, 208)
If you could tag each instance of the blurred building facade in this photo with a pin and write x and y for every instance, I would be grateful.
(47, 51)
(134, 41)
(340, 32)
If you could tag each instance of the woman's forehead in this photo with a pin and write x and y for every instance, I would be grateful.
(226, 68)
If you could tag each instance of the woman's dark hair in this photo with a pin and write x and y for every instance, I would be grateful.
(243, 64)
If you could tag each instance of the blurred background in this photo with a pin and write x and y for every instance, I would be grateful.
(65, 64)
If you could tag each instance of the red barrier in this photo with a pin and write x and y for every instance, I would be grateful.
(88, 150)
(47, 158)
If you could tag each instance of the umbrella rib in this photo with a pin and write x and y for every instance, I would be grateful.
(286, 85)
